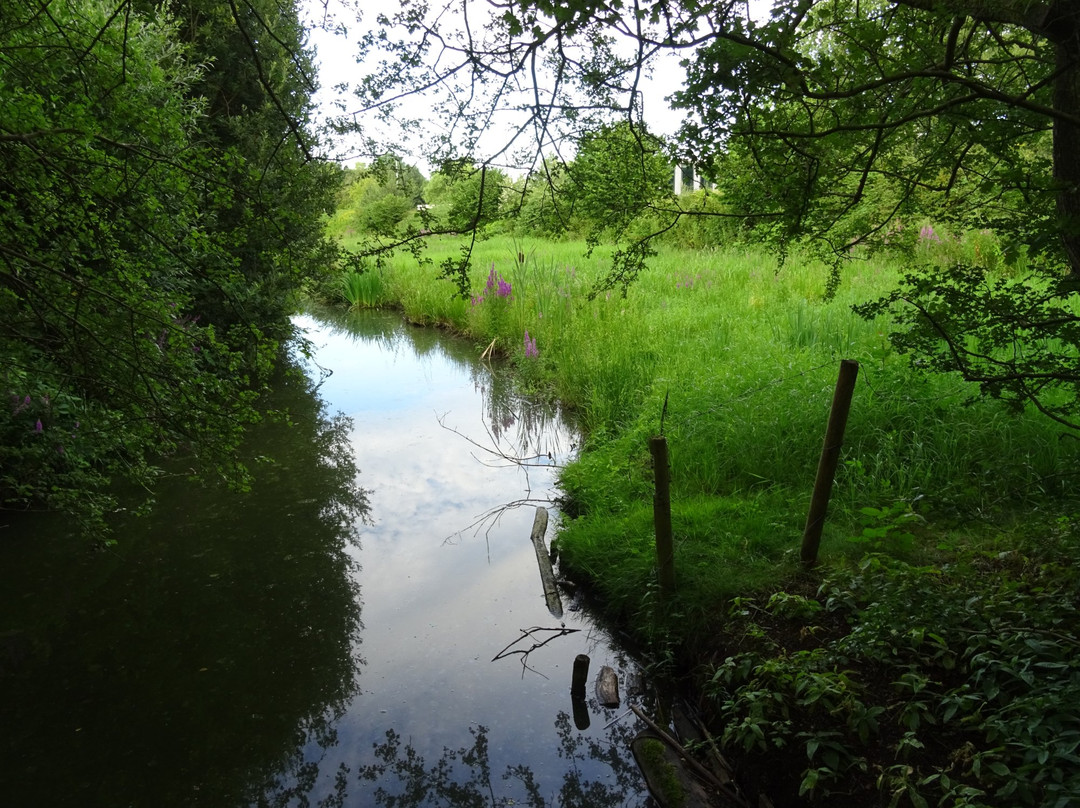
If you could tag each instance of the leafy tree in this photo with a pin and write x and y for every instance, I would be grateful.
(473, 196)
(270, 189)
(833, 122)
(618, 174)
(380, 198)
(136, 290)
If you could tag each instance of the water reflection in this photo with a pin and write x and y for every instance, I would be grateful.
(514, 426)
(182, 666)
(437, 722)
(216, 656)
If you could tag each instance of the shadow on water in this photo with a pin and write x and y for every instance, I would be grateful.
(182, 666)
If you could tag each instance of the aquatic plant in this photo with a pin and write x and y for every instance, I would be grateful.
(364, 289)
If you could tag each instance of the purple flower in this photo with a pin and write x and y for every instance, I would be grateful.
(38, 427)
(477, 300)
(926, 233)
(531, 350)
(495, 283)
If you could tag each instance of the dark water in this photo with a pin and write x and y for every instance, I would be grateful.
(326, 638)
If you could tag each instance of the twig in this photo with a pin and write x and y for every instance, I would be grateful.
(562, 631)
(700, 770)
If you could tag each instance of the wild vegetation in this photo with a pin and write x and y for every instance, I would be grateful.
(951, 514)
(893, 181)
(160, 205)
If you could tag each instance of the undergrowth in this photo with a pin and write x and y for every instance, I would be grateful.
(901, 684)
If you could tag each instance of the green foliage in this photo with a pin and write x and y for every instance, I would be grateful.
(380, 200)
(955, 682)
(835, 126)
(143, 279)
(364, 289)
(618, 174)
(472, 195)
(1017, 337)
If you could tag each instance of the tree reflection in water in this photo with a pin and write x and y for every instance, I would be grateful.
(400, 777)
(180, 667)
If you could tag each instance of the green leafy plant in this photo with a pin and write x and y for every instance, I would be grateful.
(888, 528)
(364, 289)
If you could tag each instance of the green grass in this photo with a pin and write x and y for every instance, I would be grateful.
(745, 353)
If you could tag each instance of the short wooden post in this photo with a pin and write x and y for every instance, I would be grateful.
(665, 551)
(581, 675)
(577, 692)
(830, 458)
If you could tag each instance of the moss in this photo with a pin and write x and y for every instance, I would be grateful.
(660, 773)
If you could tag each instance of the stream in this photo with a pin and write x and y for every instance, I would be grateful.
(329, 637)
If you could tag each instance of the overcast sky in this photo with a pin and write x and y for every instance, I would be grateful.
(336, 60)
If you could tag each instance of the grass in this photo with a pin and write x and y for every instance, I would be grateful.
(739, 358)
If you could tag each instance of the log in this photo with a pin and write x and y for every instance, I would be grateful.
(543, 560)
(607, 687)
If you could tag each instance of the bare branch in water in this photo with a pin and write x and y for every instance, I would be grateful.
(532, 634)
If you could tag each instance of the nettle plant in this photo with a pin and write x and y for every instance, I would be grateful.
(953, 685)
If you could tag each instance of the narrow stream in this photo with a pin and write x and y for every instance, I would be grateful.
(327, 638)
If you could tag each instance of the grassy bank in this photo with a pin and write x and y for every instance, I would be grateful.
(735, 361)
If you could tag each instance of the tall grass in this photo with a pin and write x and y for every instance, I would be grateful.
(735, 359)
(364, 290)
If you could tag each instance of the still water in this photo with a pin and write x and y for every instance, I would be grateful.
(327, 638)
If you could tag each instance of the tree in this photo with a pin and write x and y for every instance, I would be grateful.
(619, 173)
(379, 199)
(831, 122)
(139, 286)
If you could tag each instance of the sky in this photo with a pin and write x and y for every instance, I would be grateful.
(337, 63)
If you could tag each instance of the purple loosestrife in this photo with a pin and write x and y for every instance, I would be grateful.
(531, 351)
(926, 233)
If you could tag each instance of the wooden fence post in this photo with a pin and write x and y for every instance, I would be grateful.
(830, 458)
(665, 552)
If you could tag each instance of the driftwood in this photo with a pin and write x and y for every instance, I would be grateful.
(607, 687)
(543, 560)
(533, 634)
(721, 790)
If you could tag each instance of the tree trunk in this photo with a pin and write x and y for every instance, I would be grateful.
(1067, 141)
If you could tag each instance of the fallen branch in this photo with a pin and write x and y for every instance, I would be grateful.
(530, 633)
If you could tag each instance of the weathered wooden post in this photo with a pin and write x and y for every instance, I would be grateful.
(543, 559)
(665, 551)
(581, 675)
(830, 458)
(577, 692)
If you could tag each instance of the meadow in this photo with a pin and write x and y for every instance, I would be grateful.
(734, 359)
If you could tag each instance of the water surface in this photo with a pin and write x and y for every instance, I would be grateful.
(326, 638)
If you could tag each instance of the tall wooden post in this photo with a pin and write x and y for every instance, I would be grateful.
(830, 458)
(665, 550)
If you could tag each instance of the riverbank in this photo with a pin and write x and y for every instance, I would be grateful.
(938, 496)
